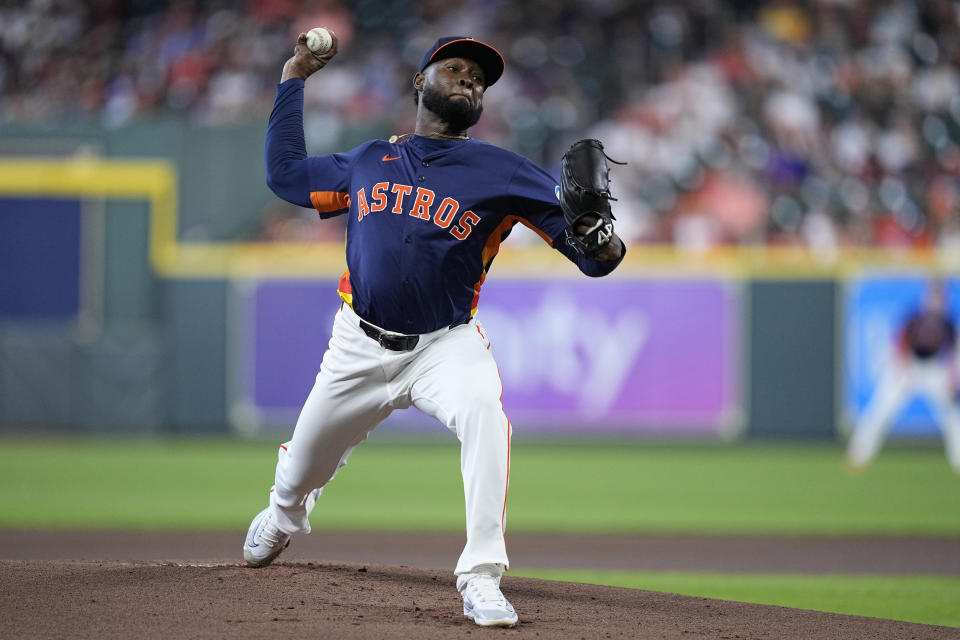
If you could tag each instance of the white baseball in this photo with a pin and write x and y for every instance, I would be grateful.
(319, 40)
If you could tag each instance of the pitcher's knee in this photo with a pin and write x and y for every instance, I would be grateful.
(489, 428)
(475, 392)
(479, 399)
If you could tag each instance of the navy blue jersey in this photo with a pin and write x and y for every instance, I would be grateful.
(929, 333)
(425, 216)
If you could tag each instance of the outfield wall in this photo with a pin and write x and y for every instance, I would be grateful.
(124, 308)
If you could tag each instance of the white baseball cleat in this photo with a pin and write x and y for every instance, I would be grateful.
(483, 602)
(264, 541)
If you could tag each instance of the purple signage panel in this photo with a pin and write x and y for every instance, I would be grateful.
(290, 329)
(632, 355)
(638, 356)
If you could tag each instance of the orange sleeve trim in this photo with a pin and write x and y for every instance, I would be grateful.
(344, 284)
(492, 246)
(537, 230)
(490, 249)
(344, 290)
(329, 201)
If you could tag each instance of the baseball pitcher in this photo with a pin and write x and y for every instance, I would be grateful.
(426, 213)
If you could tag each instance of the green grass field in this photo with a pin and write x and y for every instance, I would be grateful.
(571, 486)
(924, 599)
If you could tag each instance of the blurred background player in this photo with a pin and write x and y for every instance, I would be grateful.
(924, 362)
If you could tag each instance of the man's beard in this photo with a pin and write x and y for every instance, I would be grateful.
(459, 114)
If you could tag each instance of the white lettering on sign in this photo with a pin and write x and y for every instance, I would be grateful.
(567, 347)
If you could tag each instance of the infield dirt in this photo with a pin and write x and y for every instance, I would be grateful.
(46, 591)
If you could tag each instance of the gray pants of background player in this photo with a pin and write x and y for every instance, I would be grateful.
(899, 382)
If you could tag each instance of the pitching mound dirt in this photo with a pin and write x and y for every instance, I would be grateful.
(71, 599)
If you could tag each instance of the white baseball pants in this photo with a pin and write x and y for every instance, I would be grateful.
(450, 375)
(897, 384)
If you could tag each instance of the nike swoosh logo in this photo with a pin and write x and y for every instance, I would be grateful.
(386, 158)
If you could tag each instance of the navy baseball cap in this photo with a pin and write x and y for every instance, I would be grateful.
(483, 54)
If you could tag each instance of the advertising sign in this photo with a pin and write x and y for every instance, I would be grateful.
(632, 356)
(876, 308)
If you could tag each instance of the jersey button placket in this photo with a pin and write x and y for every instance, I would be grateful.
(406, 288)
(408, 240)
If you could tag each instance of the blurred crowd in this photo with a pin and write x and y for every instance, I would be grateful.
(821, 123)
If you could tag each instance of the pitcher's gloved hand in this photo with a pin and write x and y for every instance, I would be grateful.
(585, 200)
